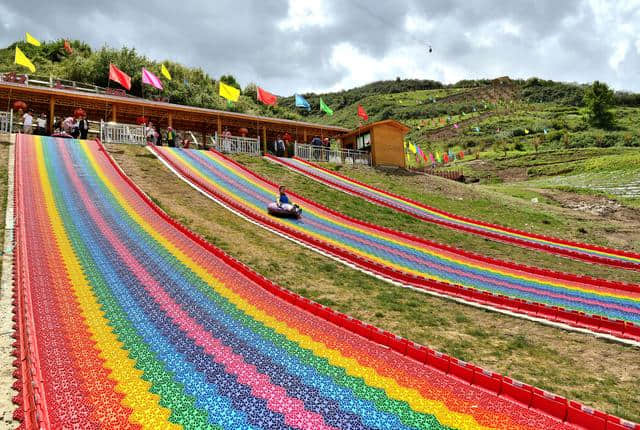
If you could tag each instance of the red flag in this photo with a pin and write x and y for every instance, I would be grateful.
(119, 76)
(67, 47)
(266, 97)
(362, 114)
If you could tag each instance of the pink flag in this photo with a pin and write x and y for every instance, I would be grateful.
(455, 125)
(150, 79)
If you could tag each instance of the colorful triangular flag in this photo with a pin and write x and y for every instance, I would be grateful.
(325, 108)
(301, 102)
(119, 76)
(362, 113)
(228, 92)
(151, 79)
(24, 61)
(266, 97)
(32, 40)
(165, 72)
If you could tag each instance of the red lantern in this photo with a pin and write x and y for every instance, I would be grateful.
(79, 112)
(141, 120)
(19, 105)
(243, 132)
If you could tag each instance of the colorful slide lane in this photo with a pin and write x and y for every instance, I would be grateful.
(128, 320)
(600, 305)
(574, 250)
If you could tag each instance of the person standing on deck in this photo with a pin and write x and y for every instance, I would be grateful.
(171, 137)
(27, 122)
(83, 126)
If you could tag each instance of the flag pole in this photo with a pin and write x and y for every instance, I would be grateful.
(106, 103)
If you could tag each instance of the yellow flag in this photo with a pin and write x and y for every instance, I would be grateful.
(32, 40)
(165, 72)
(24, 61)
(228, 92)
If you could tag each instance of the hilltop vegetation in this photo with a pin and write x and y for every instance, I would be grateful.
(471, 115)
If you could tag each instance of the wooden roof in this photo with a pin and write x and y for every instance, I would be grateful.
(367, 127)
(133, 106)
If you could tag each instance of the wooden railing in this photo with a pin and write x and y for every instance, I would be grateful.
(50, 82)
(111, 132)
(236, 144)
(332, 155)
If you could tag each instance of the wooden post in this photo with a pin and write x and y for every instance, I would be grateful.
(170, 119)
(304, 136)
(114, 113)
(52, 111)
(264, 139)
(219, 127)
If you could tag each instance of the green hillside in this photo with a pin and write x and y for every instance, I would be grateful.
(475, 116)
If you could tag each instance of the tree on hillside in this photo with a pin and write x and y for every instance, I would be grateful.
(251, 90)
(599, 99)
(230, 80)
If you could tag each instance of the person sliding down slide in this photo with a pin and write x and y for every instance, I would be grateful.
(283, 207)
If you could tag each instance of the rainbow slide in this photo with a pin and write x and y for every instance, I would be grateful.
(554, 245)
(126, 319)
(551, 297)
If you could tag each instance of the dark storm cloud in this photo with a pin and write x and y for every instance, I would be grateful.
(560, 39)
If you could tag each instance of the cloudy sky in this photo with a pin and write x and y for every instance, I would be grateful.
(290, 46)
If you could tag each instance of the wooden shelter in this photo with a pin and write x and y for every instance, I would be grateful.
(61, 102)
(385, 140)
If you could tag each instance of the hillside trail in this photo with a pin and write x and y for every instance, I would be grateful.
(492, 93)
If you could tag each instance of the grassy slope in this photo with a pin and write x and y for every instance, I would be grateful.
(461, 199)
(596, 372)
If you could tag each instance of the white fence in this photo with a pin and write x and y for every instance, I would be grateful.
(331, 155)
(236, 144)
(6, 121)
(122, 133)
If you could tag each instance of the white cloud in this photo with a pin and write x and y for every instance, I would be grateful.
(410, 61)
(510, 28)
(305, 13)
(619, 54)
(418, 23)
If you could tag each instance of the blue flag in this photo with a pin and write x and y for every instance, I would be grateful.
(302, 102)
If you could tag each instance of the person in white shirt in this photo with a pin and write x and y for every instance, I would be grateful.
(41, 123)
(27, 123)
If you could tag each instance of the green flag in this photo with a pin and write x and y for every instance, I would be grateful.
(325, 108)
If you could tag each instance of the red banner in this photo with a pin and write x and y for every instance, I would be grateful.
(362, 114)
(119, 76)
(266, 97)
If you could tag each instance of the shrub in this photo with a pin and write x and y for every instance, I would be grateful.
(599, 100)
